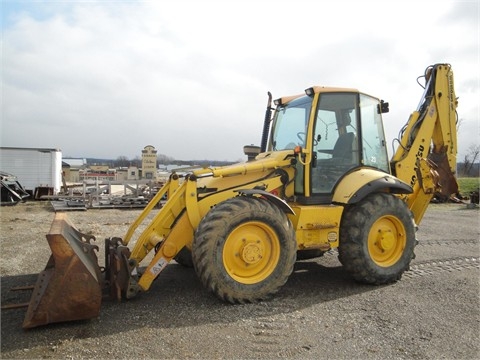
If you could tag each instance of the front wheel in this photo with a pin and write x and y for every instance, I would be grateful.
(377, 239)
(244, 249)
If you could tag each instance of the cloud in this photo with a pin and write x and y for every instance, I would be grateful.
(190, 78)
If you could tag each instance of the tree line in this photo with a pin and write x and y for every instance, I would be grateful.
(124, 161)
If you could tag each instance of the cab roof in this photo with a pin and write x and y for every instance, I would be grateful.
(316, 90)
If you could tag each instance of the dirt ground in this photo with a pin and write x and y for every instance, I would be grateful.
(432, 313)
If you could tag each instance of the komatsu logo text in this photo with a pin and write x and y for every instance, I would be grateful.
(419, 155)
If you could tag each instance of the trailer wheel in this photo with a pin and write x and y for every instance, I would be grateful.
(244, 249)
(377, 239)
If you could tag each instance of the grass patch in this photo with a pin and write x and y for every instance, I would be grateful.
(468, 184)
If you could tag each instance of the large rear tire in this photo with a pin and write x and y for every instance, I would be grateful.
(244, 249)
(377, 239)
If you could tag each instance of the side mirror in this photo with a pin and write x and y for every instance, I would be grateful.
(383, 107)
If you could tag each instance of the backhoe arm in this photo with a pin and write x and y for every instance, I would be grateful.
(426, 156)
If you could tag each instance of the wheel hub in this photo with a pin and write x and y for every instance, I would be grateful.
(386, 240)
(252, 253)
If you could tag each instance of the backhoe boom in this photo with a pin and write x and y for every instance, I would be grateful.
(426, 155)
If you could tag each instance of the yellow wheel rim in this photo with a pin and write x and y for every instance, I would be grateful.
(386, 241)
(251, 252)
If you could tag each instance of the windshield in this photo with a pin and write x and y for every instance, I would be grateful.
(290, 124)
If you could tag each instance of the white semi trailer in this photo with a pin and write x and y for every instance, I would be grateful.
(38, 170)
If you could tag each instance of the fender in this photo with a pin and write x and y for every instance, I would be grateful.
(270, 197)
(358, 184)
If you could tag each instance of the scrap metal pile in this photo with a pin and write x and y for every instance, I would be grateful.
(11, 190)
(105, 195)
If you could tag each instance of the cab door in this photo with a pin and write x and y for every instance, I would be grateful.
(335, 144)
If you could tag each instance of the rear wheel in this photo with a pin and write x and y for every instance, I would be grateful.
(244, 249)
(377, 239)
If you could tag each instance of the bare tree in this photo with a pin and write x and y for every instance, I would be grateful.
(472, 156)
(137, 161)
(164, 159)
(459, 123)
(122, 161)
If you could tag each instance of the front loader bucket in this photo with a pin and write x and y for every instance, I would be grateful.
(70, 287)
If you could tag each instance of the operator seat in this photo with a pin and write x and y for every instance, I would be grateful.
(343, 149)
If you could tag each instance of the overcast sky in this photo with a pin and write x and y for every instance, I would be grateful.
(106, 78)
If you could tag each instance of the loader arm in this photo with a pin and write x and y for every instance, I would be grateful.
(426, 155)
(167, 190)
(173, 227)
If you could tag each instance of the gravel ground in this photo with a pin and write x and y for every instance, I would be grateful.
(432, 313)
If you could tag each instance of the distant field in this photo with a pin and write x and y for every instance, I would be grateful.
(467, 185)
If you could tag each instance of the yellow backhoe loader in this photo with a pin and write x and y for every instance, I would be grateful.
(320, 179)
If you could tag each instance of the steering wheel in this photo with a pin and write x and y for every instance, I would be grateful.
(302, 137)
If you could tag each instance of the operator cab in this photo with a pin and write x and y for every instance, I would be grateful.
(338, 130)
